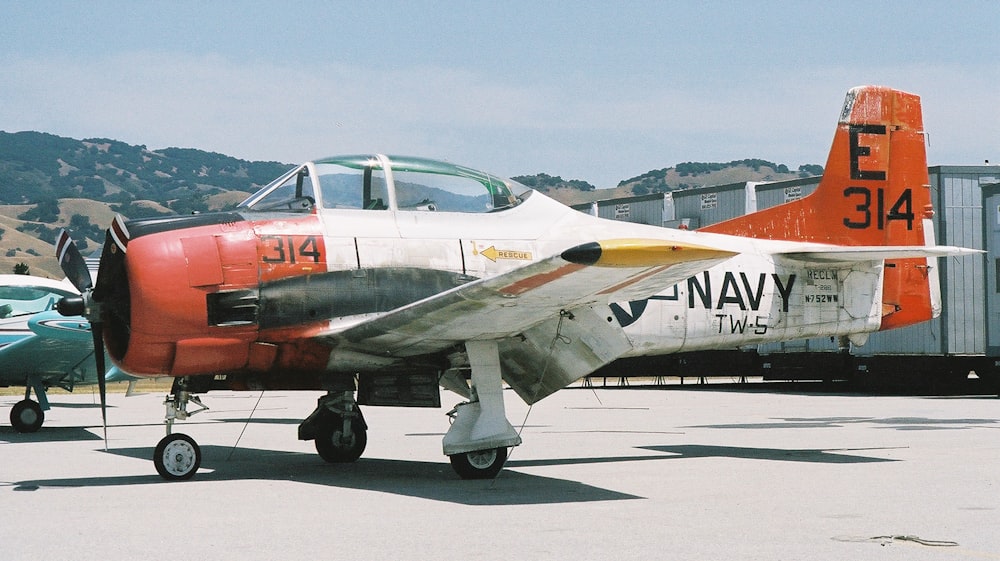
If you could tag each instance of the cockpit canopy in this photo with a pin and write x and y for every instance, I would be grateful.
(386, 183)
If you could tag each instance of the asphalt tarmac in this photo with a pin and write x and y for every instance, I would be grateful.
(700, 474)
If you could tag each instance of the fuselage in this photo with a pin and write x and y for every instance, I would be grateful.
(337, 241)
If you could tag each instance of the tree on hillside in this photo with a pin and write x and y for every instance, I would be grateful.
(39, 231)
(21, 269)
(810, 170)
(45, 210)
(92, 188)
(81, 227)
(546, 181)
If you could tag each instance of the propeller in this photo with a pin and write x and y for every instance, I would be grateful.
(76, 270)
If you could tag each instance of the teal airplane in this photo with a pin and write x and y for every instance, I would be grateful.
(41, 349)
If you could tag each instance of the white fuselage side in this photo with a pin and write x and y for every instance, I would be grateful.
(751, 298)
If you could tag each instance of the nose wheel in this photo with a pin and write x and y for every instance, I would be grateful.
(177, 457)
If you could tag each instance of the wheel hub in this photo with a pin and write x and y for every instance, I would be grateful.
(482, 459)
(178, 457)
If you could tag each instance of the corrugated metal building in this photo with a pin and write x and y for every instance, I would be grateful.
(656, 209)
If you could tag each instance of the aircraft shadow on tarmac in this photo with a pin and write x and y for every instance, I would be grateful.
(92, 432)
(434, 480)
(687, 451)
(428, 480)
(897, 423)
(773, 454)
(47, 434)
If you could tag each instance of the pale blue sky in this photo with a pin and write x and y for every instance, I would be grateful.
(599, 91)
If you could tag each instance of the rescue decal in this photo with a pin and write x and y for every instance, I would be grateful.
(492, 253)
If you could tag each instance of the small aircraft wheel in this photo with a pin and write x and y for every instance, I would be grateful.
(335, 449)
(177, 457)
(479, 464)
(27, 416)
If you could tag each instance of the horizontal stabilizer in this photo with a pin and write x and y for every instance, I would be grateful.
(850, 254)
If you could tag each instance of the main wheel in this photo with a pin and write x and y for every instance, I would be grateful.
(334, 448)
(177, 457)
(479, 464)
(27, 416)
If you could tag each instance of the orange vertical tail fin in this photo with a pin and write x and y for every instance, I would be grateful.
(874, 191)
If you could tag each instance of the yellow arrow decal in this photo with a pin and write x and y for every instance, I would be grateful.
(492, 253)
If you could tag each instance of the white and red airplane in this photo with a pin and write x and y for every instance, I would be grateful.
(380, 279)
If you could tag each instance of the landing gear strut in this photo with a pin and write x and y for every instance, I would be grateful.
(480, 434)
(337, 427)
(178, 456)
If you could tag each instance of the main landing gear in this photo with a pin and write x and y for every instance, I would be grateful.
(337, 427)
(177, 457)
(480, 434)
(476, 444)
(479, 464)
(28, 415)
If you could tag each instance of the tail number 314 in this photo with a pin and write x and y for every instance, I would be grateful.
(863, 213)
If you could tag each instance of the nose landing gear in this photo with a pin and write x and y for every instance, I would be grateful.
(177, 456)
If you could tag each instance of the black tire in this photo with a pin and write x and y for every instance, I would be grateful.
(27, 416)
(177, 457)
(479, 464)
(330, 447)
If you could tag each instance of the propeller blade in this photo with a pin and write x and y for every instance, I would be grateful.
(72, 262)
(97, 330)
(89, 302)
(112, 258)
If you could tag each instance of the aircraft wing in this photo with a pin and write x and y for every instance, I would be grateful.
(551, 316)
